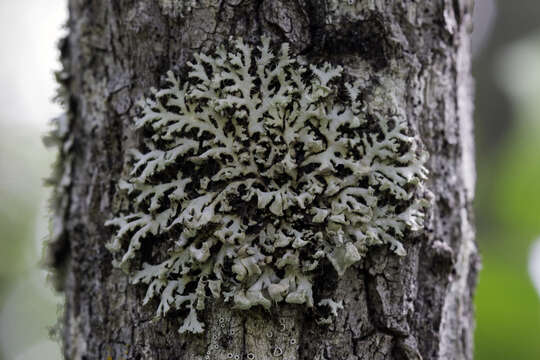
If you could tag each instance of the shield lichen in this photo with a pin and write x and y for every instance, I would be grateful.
(255, 169)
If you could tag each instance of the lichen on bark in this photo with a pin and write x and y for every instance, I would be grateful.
(394, 307)
(255, 169)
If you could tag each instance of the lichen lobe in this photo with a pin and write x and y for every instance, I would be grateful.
(255, 169)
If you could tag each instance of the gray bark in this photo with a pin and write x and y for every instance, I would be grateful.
(418, 306)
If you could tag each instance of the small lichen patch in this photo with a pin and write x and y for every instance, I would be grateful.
(254, 170)
(334, 308)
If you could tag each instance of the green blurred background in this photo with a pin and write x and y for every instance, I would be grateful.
(507, 120)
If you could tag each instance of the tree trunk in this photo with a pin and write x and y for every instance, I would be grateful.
(413, 307)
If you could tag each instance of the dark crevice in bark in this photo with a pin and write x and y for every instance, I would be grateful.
(370, 308)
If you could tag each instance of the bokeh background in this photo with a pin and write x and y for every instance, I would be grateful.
(507, 120)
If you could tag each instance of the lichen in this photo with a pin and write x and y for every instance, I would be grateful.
(255, 169)
(334, 308)
(61, 139)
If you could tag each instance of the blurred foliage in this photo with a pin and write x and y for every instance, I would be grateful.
(28, 33)
(19, 190)
(508, 208)
(508, 312)
(27, 306)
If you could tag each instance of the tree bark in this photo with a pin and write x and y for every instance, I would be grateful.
(413, 307)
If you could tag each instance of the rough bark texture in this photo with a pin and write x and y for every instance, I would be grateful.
(418, 306)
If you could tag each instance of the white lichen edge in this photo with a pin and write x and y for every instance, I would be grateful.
(257, 168)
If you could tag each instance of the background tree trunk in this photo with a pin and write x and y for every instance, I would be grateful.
(418, 306)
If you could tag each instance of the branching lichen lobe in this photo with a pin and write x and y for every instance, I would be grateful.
(257, 169)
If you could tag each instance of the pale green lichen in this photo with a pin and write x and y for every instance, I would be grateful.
(257, 168)
(333, 306)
